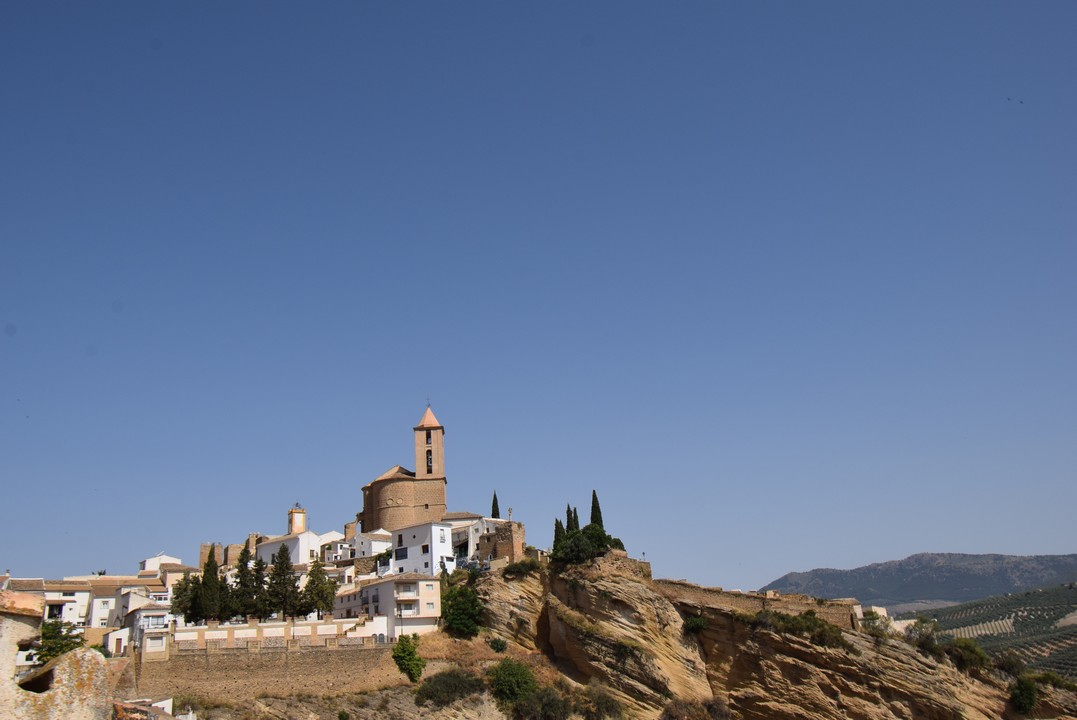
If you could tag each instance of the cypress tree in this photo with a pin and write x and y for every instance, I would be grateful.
(575, 519)
(210, 590)
(568, 517)
(283, 588)
(558, 533)
(186, 598)
(260, 608)
(319, 593)
(495, 511)
(596, 510)
(243, 595)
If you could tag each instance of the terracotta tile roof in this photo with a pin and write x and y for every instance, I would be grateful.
(176, 567)
(396, 472)
(397, 577)
(27, 584)
(115, 580)
(461, 516)
(66, 586)
(428, 420)
(19, 603)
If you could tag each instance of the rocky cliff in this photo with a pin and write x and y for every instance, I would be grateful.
(607, 623)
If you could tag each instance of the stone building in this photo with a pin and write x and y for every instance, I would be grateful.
(401, 498)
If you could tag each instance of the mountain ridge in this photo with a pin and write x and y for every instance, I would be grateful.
(935, 579)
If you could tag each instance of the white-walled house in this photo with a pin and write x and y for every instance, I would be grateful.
(466, 531)
(425, 548)
(304, 546)
(67, 601)
(372, 543)
(154, 563)
(409, 603)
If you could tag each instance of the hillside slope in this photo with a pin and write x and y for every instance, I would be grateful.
(1040, 626)
(933, 578)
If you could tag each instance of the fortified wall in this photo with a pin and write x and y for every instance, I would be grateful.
(836, 612)
(228, 675)
(506, 541)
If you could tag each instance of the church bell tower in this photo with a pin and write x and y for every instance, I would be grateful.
(429, 447)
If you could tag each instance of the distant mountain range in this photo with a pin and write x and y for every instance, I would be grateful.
(932, 579)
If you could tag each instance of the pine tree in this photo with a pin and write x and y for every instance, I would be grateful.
(319, 593)
(558, 532)
(260, 608)
(596, 510)
(495, 511)
(210, 590)
(283, 589)
(243, 594)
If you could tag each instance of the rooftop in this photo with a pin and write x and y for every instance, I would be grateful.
(429, 421)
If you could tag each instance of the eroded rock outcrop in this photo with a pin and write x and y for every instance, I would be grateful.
(608, 623)
(74, 686)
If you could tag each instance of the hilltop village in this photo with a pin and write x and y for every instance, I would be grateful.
(382, 567)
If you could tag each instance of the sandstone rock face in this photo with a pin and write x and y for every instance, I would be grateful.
(605, 623)
(74, 686)
(602, 623)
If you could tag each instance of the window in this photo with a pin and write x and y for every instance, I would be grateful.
(104, 605)
(68, 594)
(426, 564)
(429, 586)
(402, 553)
(443, 535)
(429, 461)
(399, 540)
(56, 612)
(426, 549)
(430, 606)
(427, 437)
(312, 554)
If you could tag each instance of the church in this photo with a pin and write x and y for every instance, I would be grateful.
(400, 498)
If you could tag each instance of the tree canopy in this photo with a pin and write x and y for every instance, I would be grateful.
(283, 588)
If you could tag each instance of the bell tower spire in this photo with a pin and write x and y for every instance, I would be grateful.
(429, 447)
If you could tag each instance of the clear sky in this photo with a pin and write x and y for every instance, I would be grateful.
(791, 285)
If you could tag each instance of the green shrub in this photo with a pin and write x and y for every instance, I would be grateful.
(807, 624)
(695, 624)
(447, 686)
(1010, 663)
(1054, 679)
(923, 635)
(1024, 695)
(461, 611)
(511, 681)
(406, 656)
(543, 704)
(598, 704)
(343, 715)
(523, 567)
(877, 626)
(497, 644)
(966, 655)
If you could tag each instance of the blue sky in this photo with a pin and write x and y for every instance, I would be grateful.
(790, 285)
